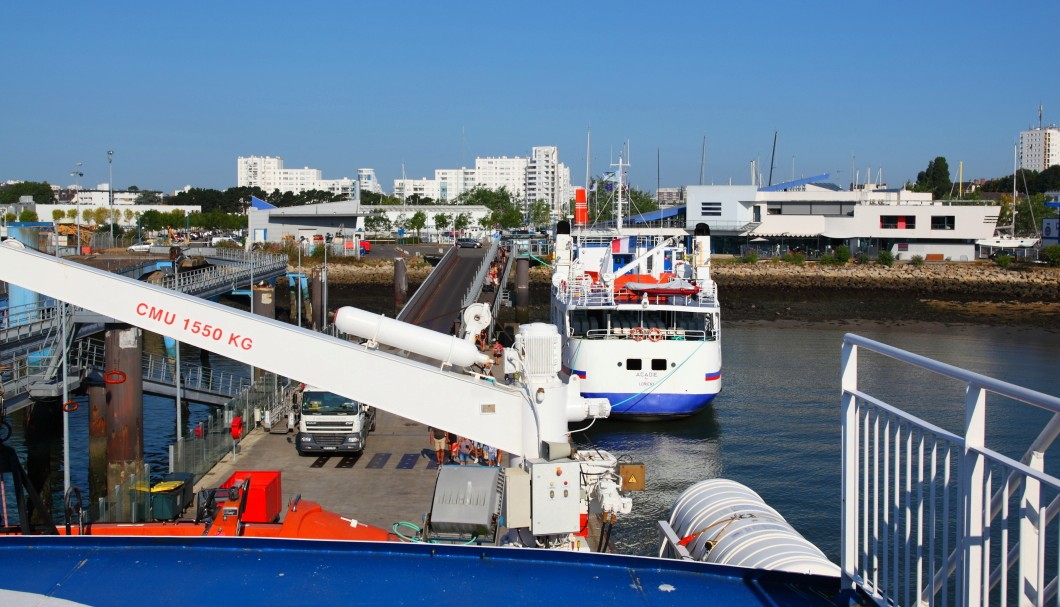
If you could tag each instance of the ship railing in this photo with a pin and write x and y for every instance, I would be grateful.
(645, 334)
(931, 516)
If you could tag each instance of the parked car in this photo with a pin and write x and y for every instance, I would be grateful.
(468, 243)
(142, 246)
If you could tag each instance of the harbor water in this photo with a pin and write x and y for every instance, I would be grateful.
(775, 427)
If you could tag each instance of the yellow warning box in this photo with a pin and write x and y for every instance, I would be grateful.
(632, 476)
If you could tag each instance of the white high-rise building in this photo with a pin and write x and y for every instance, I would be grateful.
(423, 188)
(540, 177)
(367, 181)
(268, 173)
(509, 173)
(1040, 148)
(548, 179)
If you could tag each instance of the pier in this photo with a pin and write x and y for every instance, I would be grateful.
(32, 354)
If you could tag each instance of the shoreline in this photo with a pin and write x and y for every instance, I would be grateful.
(977, 293)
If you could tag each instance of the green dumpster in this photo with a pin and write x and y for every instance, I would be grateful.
(187, 492)
(166, 500)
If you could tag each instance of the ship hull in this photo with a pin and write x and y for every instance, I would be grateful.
(646, 380)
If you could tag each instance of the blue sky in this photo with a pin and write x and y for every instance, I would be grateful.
(180, 89)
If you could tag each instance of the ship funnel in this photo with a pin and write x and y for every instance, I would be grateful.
(581, 207)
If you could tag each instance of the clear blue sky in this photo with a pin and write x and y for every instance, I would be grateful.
(180, 89)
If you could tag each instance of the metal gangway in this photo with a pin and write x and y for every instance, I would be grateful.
(933, 517)
(30, 343)
(36, 374)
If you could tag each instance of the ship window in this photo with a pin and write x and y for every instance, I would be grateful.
(633, 364)
(658, 364)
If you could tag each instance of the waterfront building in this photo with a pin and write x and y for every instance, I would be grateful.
(668, 197)
(541, 176)
(346, 221)
(816, 216)
(269, 174)
(1039, 148)
(125, 215)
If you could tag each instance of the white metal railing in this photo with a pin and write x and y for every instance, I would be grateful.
(931, 517)
(159, 368)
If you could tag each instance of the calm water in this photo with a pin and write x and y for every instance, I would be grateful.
(775, 426)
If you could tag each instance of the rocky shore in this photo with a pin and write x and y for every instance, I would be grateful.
(975, 293)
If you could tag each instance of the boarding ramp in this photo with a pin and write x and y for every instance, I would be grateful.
(933, 517)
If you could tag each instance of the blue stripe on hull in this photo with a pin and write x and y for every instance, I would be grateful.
(653, 405)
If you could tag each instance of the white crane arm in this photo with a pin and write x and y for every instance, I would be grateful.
(492, 414)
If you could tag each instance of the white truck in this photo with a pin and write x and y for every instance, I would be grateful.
(330, 423)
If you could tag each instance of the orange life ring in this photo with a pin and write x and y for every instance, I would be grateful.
(637, 333)
(70, 406)
(114, 377)
(654, 334)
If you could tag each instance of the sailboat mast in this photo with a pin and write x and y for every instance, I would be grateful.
(1015, 163)
(588, 141)
(703, 160)
(773, 157)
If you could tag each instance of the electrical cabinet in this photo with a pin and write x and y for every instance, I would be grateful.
(555, 491)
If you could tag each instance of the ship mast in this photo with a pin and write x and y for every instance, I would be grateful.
(618, 197)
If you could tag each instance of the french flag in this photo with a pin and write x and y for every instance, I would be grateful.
(622, 245)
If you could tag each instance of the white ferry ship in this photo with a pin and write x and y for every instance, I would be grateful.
(639, 313)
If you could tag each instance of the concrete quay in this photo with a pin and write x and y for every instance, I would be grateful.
(392, 480)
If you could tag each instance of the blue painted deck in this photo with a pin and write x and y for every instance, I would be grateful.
(124, 571)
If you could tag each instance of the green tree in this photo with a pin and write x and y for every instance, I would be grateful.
(417, 222)
(377, 222)
(71, 213)
(152, 220)
(540, 213)
(40, 191)
(148, 197)
(1050, 255)
(935, 179)
(375, 198)
(27, 215)
(442, 221)
(461, 222)
(58, 214)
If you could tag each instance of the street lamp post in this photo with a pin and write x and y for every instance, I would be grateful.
(110, 193)
(327, 245)
(78, 174)
(298, 279)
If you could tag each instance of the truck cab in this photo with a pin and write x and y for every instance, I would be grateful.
(330, 423)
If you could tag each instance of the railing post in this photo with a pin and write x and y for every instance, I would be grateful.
(1030, 527)
(973, 473)
(849, 527)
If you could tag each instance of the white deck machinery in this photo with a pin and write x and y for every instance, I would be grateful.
(543, 498)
